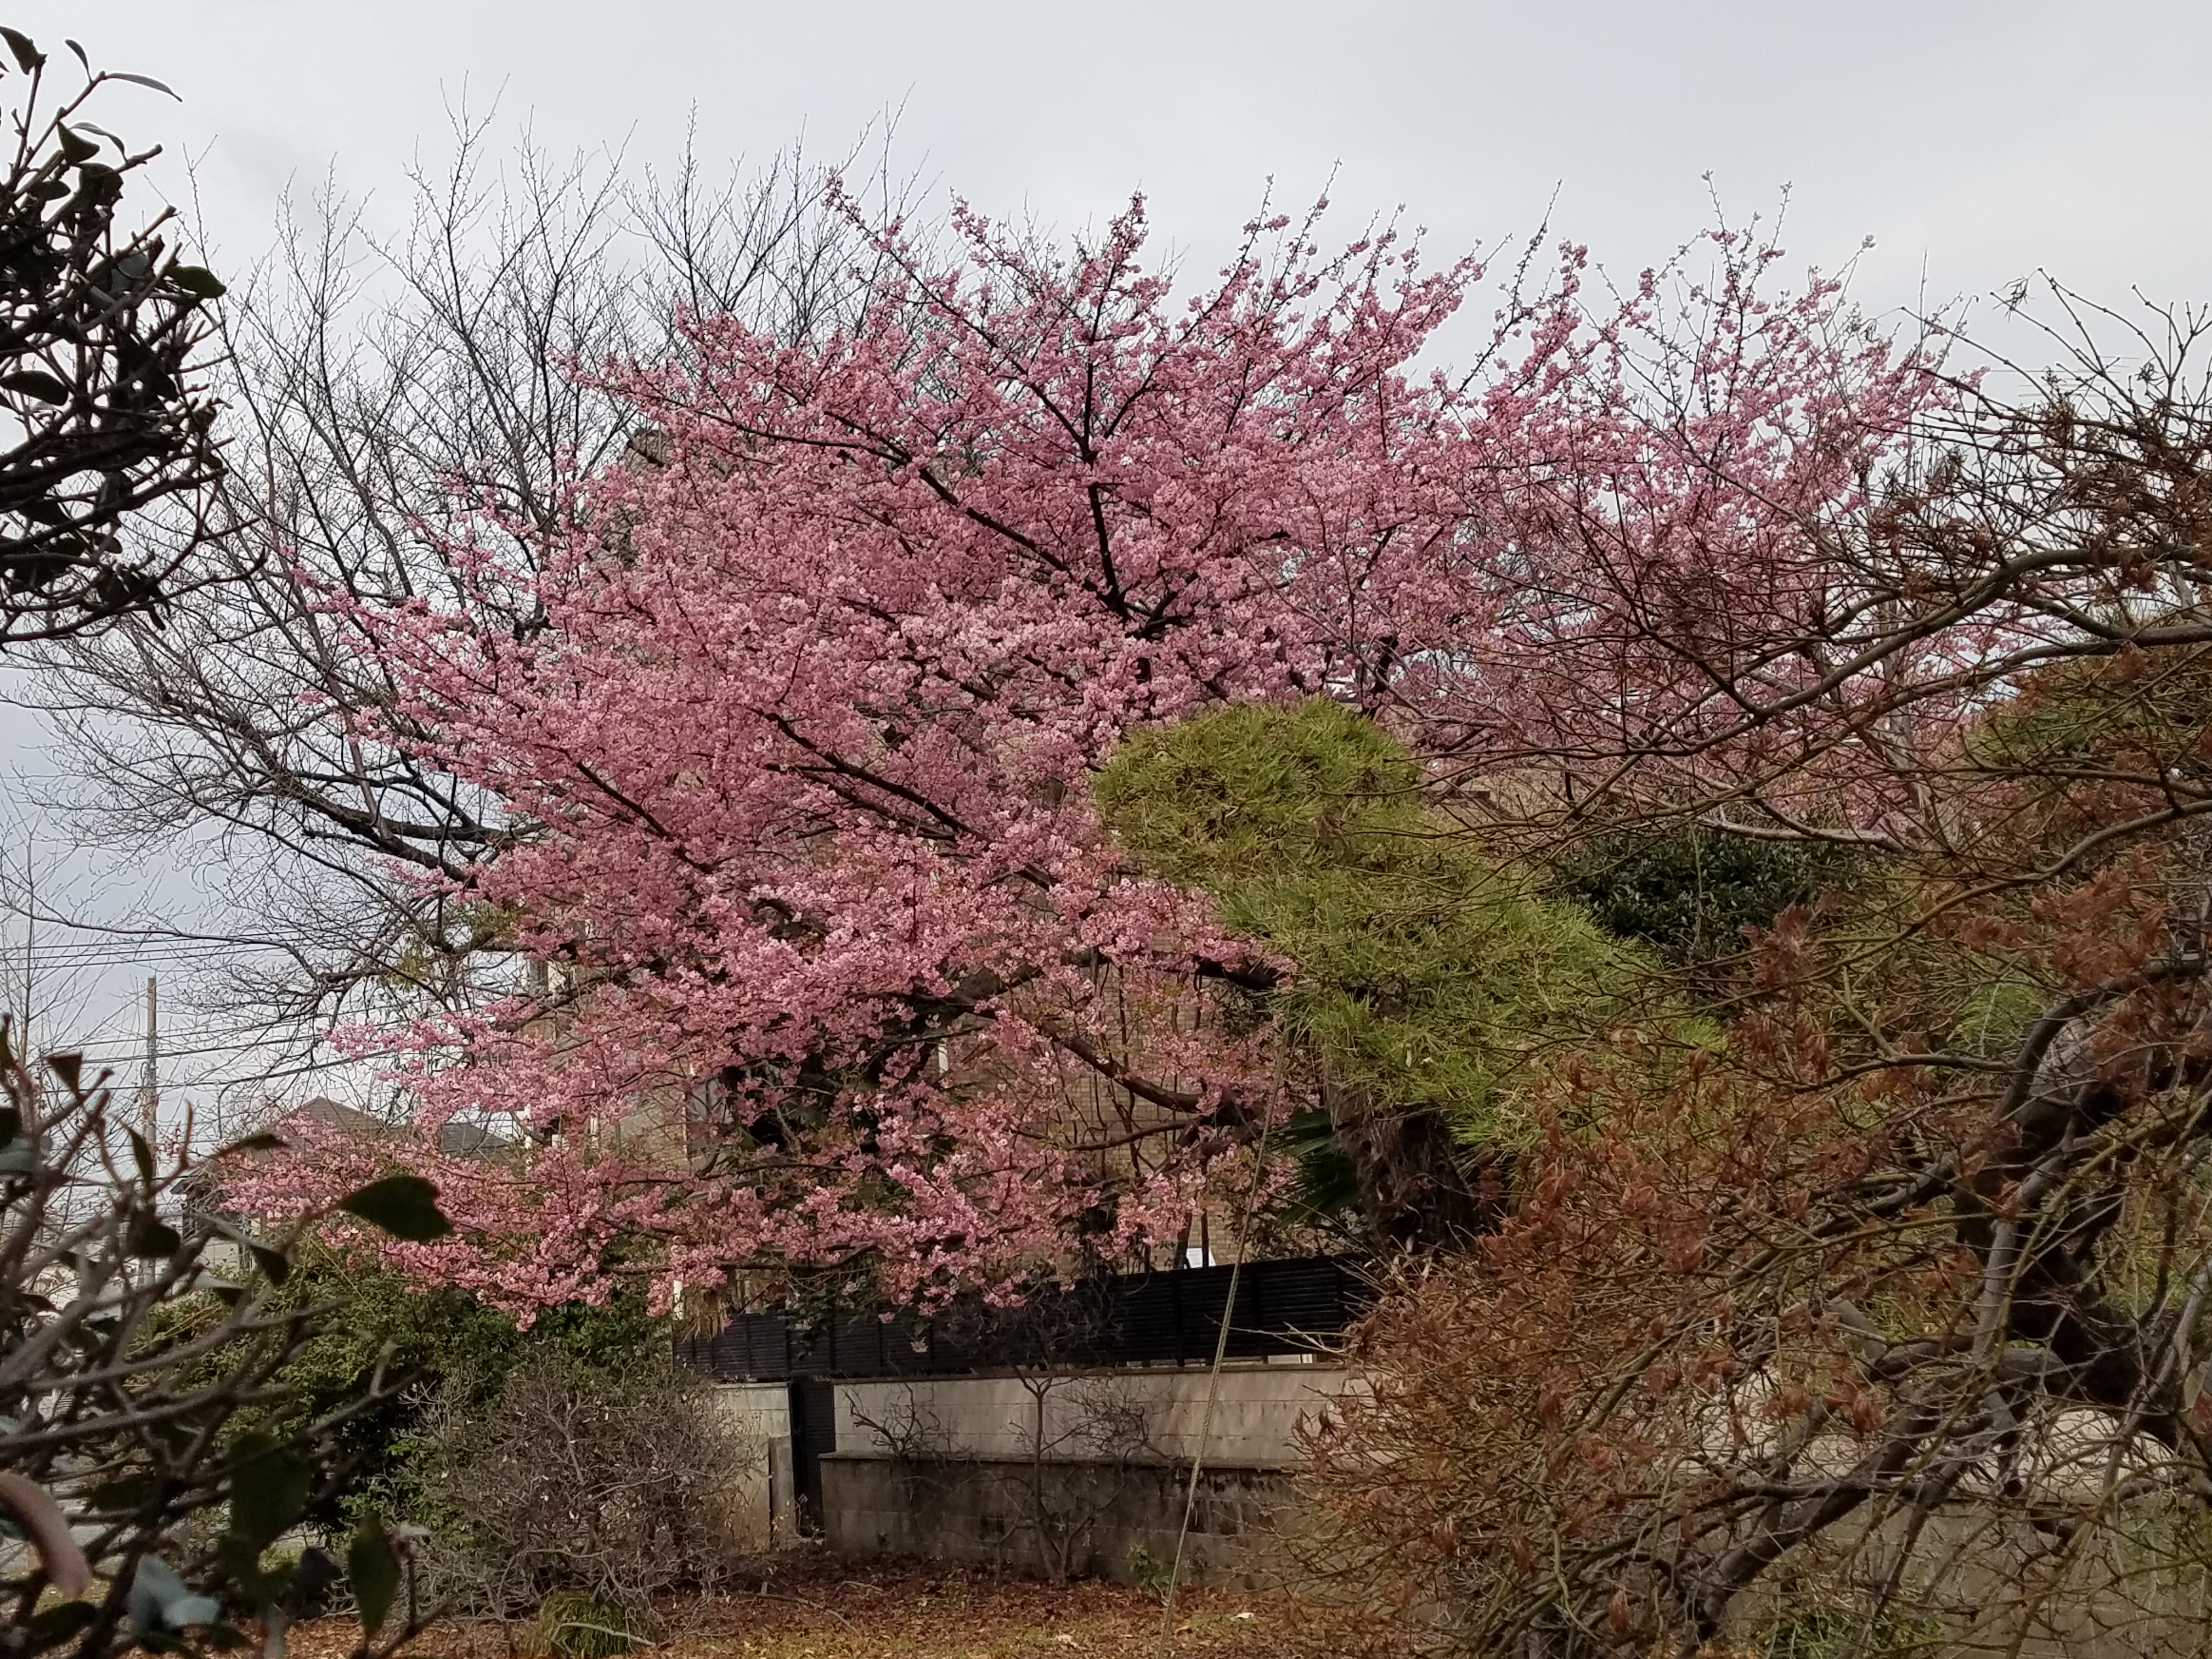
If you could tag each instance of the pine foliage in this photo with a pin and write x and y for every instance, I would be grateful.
(1425, 976)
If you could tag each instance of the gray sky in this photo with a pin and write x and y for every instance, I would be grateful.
(1973, 142)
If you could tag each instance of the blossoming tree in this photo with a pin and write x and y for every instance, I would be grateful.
(798, 751)
(796, 762)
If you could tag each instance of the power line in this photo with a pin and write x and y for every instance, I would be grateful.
(120, 1054)
(136, 952)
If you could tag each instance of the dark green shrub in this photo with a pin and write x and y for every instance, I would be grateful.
(153, 1458)
(438, 1337)
(1689, 892)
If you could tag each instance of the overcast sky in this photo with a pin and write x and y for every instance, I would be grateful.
(1975, 143)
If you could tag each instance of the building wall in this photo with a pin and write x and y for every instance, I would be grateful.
(762, 1505)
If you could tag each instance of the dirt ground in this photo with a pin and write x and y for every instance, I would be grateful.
(835, 1609)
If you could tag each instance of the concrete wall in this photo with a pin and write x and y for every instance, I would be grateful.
(1082, 1520)
(1090, 1418)
(1082, 1474)
(762, 1505)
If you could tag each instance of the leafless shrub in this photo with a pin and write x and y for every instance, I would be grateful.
(616, 1484)
(1102, 1426)
(1086, 1443)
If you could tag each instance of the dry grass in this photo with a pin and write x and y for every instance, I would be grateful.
(831, 1609)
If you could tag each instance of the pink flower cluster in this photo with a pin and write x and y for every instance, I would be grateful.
(798, 756)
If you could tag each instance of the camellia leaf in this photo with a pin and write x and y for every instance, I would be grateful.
(251, 1580)
(36, 383)
(143, 81)
(203, 284)
(28, 56)
(154, 1239)
(372, 1570)
(243, 1561)
(60, 1622)
(269, 1487)
(405, 1206)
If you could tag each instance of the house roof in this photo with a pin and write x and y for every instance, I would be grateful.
(456, 1139)
(326, 1113)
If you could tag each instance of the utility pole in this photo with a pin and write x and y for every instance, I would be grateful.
(30, 959)
(149, 1088)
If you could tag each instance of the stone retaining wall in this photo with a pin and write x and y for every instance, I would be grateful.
(1079, 1520)
(1081, 1473)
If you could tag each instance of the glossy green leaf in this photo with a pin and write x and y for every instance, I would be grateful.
(152, 1238)
(242, 1561)
(405, 1206)
(269, 1487)
(372, 1571)
(36, 383)
(201, 283)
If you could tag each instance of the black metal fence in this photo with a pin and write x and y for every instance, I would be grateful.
(1172, 1318)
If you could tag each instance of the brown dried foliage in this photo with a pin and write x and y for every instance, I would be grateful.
(1865, 1307)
